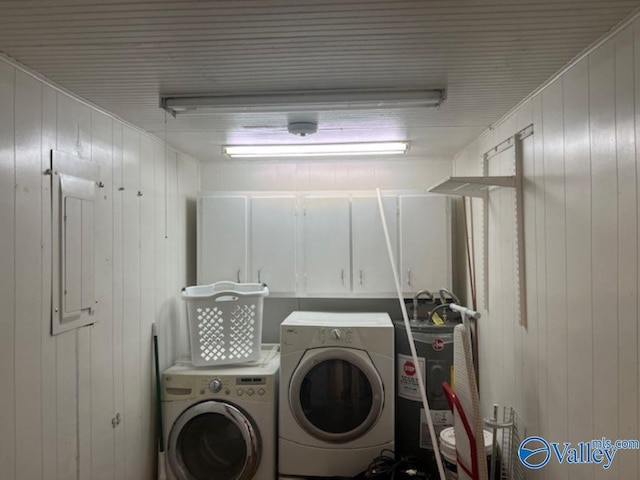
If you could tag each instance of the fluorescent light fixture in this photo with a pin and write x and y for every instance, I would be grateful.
(316, 150)
(322, 100)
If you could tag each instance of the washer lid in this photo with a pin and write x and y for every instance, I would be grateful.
(336, 394)
(331, 319)
(214, 438)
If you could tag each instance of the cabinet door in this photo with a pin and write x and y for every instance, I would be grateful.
(326, 245)
(273, 242)
(425, 242)
(372, 271)
(222, 239)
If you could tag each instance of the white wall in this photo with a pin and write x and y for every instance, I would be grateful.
(391, 173)
(573, 373)
(59, 394)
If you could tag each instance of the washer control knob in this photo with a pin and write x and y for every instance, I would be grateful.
(261, 391)
(215, 385)
(336, 334)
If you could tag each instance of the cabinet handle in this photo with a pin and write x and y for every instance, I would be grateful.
(259, 281)
(342, 276)
(360, 276)
(409, 276)
(238, 275)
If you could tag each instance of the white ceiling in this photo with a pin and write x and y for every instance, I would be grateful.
(488, 54)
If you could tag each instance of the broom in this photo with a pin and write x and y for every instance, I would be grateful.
(162, 474)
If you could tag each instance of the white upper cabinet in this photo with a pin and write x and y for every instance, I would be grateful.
(323, 245)
(372, 271)
(222, 239)
(273, 243)
(326, 245)
(425, 242)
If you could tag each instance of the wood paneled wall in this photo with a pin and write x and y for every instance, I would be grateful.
(58, 395)
(346, 174)
(573, 373)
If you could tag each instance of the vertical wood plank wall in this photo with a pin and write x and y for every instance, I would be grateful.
(346, 175)
(573, 373)
(59, 394)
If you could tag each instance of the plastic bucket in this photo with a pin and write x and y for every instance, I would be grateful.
(448, 451)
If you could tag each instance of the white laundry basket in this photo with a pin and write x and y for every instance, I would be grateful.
(225, 322)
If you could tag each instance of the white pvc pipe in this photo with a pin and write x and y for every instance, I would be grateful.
(465, 311)
(414, 354)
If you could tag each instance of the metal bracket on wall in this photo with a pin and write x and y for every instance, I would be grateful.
(479, 187)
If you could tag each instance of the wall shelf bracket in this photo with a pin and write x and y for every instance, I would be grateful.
(479, 187)
(471, 186)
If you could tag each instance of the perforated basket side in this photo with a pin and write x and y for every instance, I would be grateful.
(225, 332)
(242, 330)
(208, 335)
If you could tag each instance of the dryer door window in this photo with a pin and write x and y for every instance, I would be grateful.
(214, 439)
(336, 394)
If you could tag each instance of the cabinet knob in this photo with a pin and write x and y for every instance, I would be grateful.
(342, 276)
(360, 276)
(238, 275)
(259, 276)
(409, 276)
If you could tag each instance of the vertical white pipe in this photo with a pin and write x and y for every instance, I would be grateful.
(414, 354)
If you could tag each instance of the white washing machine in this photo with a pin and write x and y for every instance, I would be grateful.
(336, 393)
(221, 422)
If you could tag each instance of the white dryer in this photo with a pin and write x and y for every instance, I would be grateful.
(221, 422)
(336, 393)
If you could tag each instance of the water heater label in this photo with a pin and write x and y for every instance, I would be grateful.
(407, 376)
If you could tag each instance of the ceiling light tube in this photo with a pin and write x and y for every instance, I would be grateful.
(301, 101)
(316, 150)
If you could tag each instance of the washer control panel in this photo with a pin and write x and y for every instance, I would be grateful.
(336, 336)
(249, 387)
(256, 388)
